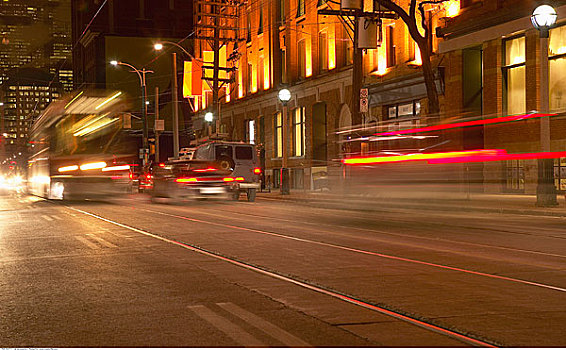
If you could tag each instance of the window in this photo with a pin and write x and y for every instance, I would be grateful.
(283, 65)
(557, 61)
(244, 152)
(323, 51)
(249, 24)
(514, 74)
(282, 12)
(302, 61)
(278, 139)
(515, 176)
(250, 77)
(250, 131)
(300, 8)
(260, 30)
(299, 132)
(391, 57)
(560, 174)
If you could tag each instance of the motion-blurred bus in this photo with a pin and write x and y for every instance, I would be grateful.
(80, 148)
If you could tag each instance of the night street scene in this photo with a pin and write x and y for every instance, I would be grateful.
(282, 173)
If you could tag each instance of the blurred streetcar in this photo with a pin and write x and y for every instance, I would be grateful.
(80, 149)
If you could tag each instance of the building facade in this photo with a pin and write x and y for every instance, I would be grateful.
(287, 43)
(494, 69)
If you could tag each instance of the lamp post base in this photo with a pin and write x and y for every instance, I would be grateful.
(546, 192)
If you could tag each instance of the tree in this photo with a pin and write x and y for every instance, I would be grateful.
(411, 20)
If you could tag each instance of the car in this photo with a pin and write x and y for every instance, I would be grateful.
(238, 157)
(191, 179)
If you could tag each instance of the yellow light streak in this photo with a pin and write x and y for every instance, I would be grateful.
(94, 165)
(74, 99)
(68, 168)
(108, 100)
(95, 126)
(116, 168)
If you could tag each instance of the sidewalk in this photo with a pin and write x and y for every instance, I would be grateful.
(477, 202)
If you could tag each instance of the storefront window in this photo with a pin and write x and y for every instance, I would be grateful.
(278, 136)
(514, 72)
(515, 176)
(560, 174)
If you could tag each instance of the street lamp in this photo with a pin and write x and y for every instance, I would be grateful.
(141, 74)
(284, 96)
(543, 18)
(158, 47)
(209, 117)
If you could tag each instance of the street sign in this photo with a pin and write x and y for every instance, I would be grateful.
(159, 124)
(364, 102)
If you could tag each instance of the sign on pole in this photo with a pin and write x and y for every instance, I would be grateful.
(364, 102)
(159, 125)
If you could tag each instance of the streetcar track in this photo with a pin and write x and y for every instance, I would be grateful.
(467, 339)
(365, 252)
(392, 233)
(407, 211)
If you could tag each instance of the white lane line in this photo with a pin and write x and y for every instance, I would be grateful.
(56, 217)
(46, 218)
(365, 252)
(264, 325)
(233, 331)
(88, 243)
(102, 240)
(414, 321)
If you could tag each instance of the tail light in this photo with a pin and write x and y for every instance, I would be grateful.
(161, 165)
(257, 171)
(239, 178)
(228, 179)
(186, 179)
(148, 176)
(131, 176)
(207, 169)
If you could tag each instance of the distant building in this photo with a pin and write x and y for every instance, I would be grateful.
(26, 92)
(36, 33)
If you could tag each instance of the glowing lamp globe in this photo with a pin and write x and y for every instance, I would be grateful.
(284, 95)
(543, 17)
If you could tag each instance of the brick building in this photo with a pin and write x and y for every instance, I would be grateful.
(493, 56)
(286, 43)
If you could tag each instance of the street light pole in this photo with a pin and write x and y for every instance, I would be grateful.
(284, 97)
(543, 18)
(141, 74)
(174, 91)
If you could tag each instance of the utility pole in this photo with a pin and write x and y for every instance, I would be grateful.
(155, 129)
(216, 27)
(357, 67)
(174, 91)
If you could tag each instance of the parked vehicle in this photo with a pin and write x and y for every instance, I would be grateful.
(191, 179)
(238, 157)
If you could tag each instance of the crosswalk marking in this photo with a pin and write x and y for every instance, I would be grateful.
(233, 331)
(46, 217)
(87, 242)
(102, 241)
(264, 325)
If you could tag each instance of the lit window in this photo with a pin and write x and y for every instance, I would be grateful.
(301, 50)
(299, 131)
(390, 42)
(514, 74)
(278, 147)
(557, 60)
(323, 51)
(300, 8)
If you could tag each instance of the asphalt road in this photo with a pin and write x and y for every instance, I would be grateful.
(130, 273)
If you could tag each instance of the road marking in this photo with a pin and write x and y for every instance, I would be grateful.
(46, 217)
(233, 331)
(56, 217)
(365, 252)
(88, 243)
(342, 297)
(101, 240)
(264, 325)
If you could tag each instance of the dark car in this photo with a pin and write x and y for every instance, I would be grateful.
(191, 179)
(240, 159)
